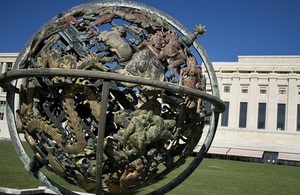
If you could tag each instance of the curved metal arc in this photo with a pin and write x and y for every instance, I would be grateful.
(12, 75)
(9, 76)
(219, 105)
(10, 117)
(194, 164)
(23, 73)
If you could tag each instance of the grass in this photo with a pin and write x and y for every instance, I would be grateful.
(14, 175)
(212, 177)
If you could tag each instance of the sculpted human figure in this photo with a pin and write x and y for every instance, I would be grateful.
(151, 125)
(167, 46)
(190, 76)
(155, 43)
(132, 173)
(174, 53)
(144, 129)
(137, 124)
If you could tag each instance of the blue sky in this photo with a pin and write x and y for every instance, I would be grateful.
(234, 27)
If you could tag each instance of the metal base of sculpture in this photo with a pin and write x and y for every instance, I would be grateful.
(153, 120)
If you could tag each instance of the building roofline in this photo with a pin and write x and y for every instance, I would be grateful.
(268, 56)
(8, 54)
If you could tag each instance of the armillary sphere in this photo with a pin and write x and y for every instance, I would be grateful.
(112, 97)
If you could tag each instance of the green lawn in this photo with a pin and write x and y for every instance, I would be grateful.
(212, 177)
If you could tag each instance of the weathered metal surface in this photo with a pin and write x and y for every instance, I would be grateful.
(101, 133)
(25, 73)
(112, 98)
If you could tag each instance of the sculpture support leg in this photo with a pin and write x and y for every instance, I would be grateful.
(100, 141)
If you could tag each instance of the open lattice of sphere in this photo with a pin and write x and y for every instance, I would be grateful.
(112, 98)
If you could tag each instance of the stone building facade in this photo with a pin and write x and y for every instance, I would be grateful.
(6, 64)
(262, 118)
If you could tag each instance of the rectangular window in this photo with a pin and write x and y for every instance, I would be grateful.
(282, 91)
(261, 121)
(298, 117)
(263, 91)
(9, 66)
(225, 115)
(243, 114)
(280, 116)
(244, 90)
(226, 89)
(2, 109)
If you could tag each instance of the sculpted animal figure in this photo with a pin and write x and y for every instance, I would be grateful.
(146, 65)
(113, 39)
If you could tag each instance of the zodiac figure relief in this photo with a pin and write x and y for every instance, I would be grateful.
(144, 129)
(132, 173)
(167, 46)
(143, 64)
(59, 116)
(191, 76)
(116, 44)
(130, 176)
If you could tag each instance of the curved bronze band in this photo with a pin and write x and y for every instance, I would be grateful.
(18, 73)
(44, 72)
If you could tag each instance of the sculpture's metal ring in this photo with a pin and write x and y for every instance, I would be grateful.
(24, 73)
(18, 73)
(6, 78)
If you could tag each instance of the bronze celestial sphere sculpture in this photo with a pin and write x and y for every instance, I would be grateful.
(111, 98)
